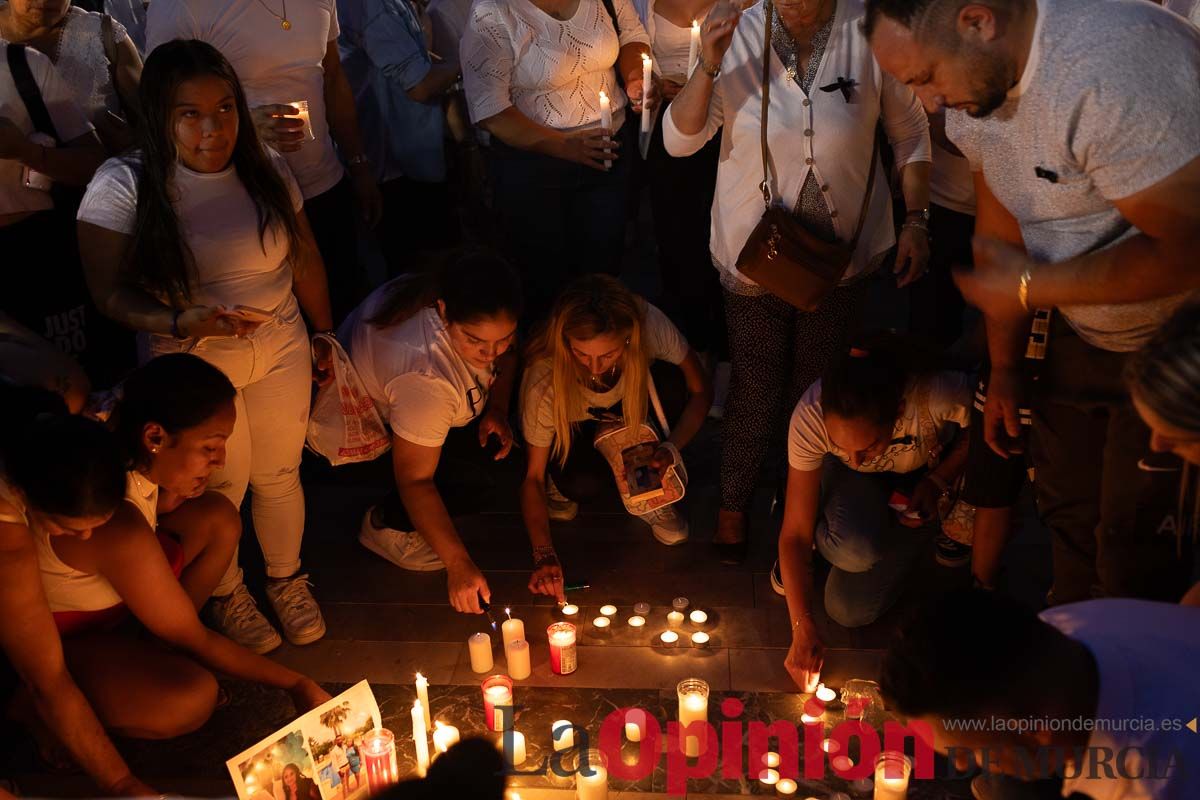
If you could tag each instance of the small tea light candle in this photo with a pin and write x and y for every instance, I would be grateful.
(892, 770)
(637, 622)
(679, 603)
(699, 617)
(770, 760)
(768, 777)
(635, 720)
(641, 609)
(444, 737)
(786, 787)
(562, 734)
(601, 622)
(608, 611)
(808, 719)
(518, 748)
(699, 639)
(842, 763)
(669, 638)
(831, 747)
(825, 694)
(570, 610)
(675, 619)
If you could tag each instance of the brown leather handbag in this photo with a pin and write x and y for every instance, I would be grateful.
(781, 255)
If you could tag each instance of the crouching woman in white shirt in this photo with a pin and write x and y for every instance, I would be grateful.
(827, 96)
(433, 350)
(198, 241)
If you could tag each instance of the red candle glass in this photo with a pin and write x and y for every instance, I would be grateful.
(563, 655)
(379, 759)
(497, 691)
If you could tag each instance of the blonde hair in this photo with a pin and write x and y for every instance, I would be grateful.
(593, 306)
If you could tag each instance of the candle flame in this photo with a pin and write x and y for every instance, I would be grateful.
(696, 24)
(645, 58)
(603, 96)
(420, 677)
(508, 612)
(437, 725)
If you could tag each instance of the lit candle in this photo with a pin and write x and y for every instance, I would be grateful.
(830, 746)
(518, 757)
(601, 622)
(444, 737)
(647, 82)
(420, 738)
(606, 121)
(635, 720)
(699, 617)
(562, 733)
(694, 47)
(808, 719)
(892, 770)
(699, 639)
(563, 654)
(479, 645)
(517, 655)
(825, 694)
(423, 696)
(679, 603)
(693, 707)
(669, 638)
(768, 777)
(592, 784)
(642, 609)
(570, 610)
(511, 629)
(608, 611)
(786, 787)
(379, 759)
(497, 693)
(770, 760)
(842, 763)
(637, 621)
(675, 619)
(301, 107)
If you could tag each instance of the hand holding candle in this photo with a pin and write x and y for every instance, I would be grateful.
(606, 121)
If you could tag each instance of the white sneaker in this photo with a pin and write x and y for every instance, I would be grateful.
(236, 616)
(560, 507)
(668, 525)
(298, 612)
(406, 549)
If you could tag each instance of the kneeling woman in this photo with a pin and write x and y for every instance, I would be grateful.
(590, 366)
(433, 351)
(174, 420)
(876, 424)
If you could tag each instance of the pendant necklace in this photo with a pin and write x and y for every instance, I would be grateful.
(284, 22)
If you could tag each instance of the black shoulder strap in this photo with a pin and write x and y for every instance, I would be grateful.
(612, 13)
(31, 95)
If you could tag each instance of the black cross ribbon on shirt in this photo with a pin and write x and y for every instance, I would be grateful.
(844, 85)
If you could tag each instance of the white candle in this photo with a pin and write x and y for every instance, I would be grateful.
(516, 653)
(808, 719)
(420, 738)
(518, 756)
(423, 696)
(768, 777)
(601, 622)
(479, 645)
(570, 610)
(562, 734)
(699, 639)
(635, 720)
(641, 609)
(647, 82)
(830, 746)
(699, 617)
(594, 785)
(825, 694)
(511, 630)
(637, 621)
(606, 121)
(694, 47)
(669, 638)
(842, 763)
(693, 707)
(679, 603)
(444, 737)
(608, 611)
(891, 775)
(786, 787)
(770, 760)
(675, 619)
(301, 107)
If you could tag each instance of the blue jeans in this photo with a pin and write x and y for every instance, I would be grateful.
(871, 552)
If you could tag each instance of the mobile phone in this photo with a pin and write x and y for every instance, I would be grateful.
(644, 480)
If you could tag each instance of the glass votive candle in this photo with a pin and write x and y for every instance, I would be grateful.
(641, 609)
(669, 638)
(699, 639)
(679, 604)
(637, 621)
(698, 617)
(608, 610)
(768, 777)
(892, 771)
(564, 656)
(379, 759)
(786, 787)
(570, 610)
(675, 618)
(301, 107)
(497, 693)
(693, 707)
(591, 782)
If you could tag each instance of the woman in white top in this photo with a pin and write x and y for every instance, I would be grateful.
(534, 72)
(198, 241)
(827, 96)
(882, 422)
(157, 559)
(433, 352)
(591, 366)
(94, 55)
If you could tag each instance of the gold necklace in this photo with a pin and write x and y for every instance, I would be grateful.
(283, 20)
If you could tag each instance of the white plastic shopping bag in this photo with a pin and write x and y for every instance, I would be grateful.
(344, 425)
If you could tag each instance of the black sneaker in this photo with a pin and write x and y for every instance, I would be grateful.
(951, 553)
(777, 579)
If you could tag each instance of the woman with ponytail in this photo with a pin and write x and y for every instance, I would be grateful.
(883, 420)
(591, 365)
(434, 353)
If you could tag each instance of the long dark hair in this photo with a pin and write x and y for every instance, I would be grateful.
(160, 259)
(63, 464)
(177, 390)
(474, 283)
(869, 381)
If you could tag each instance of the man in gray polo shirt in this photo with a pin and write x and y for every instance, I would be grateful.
(1081, 121)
